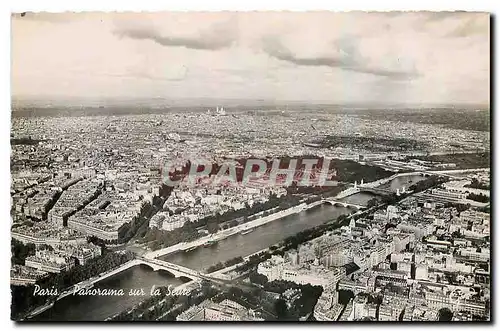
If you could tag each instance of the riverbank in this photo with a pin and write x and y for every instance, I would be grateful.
(231, 273)
(216, 237)
(81, 285)
(182, 246)
(228, 232)
(224, 273)
(185, 246)
(266, 238)
(38, 310)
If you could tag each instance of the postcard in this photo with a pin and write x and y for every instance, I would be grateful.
(250, 166)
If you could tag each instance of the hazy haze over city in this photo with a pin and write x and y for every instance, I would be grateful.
(420, 57)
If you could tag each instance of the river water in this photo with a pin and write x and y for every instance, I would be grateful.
(98, 308)
(400, 182)
(260, 238)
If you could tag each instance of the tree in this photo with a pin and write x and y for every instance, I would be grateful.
(478, 197)
(345, 296)
(24, 299)
(257, 278)
(389, 225)
(213, 226)
(445, 315)
(20, 251)
(281, 309)
(214, 268)
(372, 203)
(477, 184)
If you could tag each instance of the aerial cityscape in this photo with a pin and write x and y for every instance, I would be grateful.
(253, 188)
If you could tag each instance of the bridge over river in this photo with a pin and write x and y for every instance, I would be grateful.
(335, 202)
(174, 269)
(181, 271)
(375, 186)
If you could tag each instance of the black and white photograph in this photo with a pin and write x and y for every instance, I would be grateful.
(250, 166)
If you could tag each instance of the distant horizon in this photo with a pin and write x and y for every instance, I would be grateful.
(75, 101)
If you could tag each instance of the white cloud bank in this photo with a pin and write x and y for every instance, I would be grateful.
(415, 57)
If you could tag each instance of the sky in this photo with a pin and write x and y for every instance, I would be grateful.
(393, 57)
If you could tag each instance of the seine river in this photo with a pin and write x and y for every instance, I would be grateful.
(98, 308)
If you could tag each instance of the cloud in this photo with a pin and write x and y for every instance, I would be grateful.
(443, 15)
(136, 73)
(347, 58)
(143, 75)
(410, 57)
(218, 36)
(45, 17)
(471, 27)
(458, 24)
